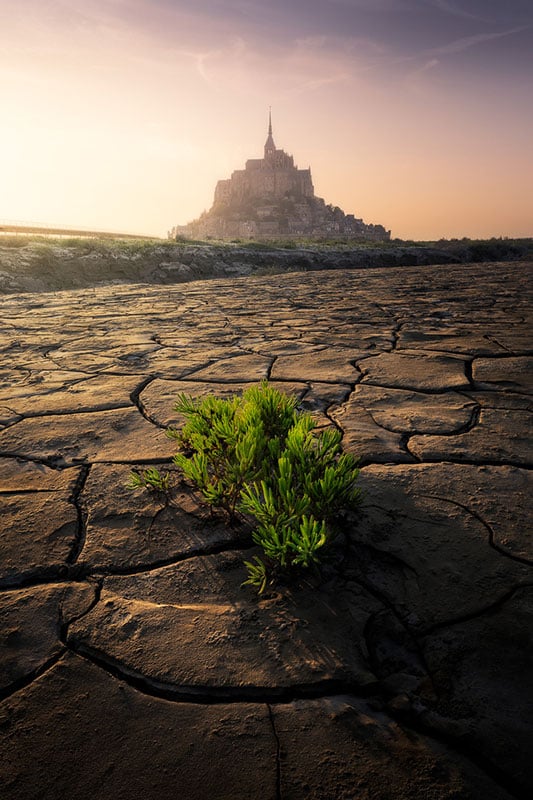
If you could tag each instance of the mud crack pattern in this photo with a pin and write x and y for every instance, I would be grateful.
(133, 664)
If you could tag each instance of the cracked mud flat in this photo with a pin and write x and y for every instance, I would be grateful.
(134, 666)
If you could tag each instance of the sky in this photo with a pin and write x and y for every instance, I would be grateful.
(123, 114)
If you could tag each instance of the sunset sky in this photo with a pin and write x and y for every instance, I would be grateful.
(123, 114)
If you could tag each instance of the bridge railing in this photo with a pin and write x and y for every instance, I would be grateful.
(47, 229)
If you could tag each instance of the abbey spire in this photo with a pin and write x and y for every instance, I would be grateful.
(270, 147)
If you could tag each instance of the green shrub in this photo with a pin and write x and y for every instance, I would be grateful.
(149, 478)
(258, 455)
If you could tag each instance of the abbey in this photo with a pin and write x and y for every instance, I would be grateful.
(271, 198)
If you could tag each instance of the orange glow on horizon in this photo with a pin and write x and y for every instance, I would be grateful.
(112, 125)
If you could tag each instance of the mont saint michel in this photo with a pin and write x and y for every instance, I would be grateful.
(272, 198)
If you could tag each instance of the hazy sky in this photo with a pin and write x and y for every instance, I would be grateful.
(123, 114)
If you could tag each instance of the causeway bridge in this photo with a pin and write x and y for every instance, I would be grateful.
(46, 229)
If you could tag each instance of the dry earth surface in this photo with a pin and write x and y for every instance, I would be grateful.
(133, 664)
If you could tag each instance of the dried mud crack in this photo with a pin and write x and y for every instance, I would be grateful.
(133, 663)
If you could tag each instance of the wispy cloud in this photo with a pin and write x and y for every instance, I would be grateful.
(454, 10)
(426, 67)
(374, 5)
(308, 65)
(201, 61)
(466, 42)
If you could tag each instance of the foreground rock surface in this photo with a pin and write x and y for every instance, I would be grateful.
(133, 663)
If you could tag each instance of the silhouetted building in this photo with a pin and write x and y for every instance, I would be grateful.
(271, 198)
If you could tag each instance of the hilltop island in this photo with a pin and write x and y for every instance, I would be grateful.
(272, 198)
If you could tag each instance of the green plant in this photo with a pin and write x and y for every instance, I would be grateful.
(304, 488)
(257, 574)
(258, 455)
(149, 478)
(229, 443)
